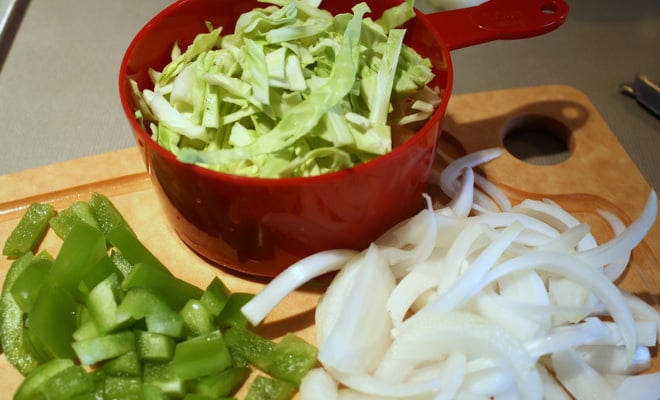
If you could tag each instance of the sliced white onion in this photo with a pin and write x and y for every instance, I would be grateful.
(401, 260)
(567, 293)
(491, 190)
(616, 268)
(608, 359)
(464, 287)
(465, 198)
(361, 334)
(370, 385)
(639, 387)
(318, 384)
(567, 337)
(582, 273)
(520, 325)
(433, 334)
(292, 278)
(642, 310)
(552, 390)
(579, 378)
(475, 299)
(409, 289)
(491, 382)
(449, 176)
(628, 239)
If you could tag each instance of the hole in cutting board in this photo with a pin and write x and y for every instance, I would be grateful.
(537, 139)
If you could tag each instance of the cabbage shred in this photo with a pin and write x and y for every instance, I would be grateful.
(294, 91)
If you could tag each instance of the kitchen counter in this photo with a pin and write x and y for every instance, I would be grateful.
(59, 63)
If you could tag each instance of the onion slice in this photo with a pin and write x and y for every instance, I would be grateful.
(481, 299)
(292, 278)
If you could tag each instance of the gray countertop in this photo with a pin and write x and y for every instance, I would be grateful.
(58, 76)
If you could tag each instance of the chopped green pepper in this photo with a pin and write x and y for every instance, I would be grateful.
(68, 383)
(140, 303)
(253, 348)
(121, 262)
(221, 384)
(265, 388)
(293, 358)
(201, 355)
(102, 270)
(154, 346)
(122, 388)
(33, 384)
(102, 306)
(106, 301)
(162, 283)
(231, 314)
(162, 376)
(63, 222)
(105, 213)
(215, 296)
(152, 392)
(127, 364)
(12, 321)
(83, 247)
(100, 348)
(52, 321)
(197, 319)
(27, 285)
(125, 241)
(30, 230)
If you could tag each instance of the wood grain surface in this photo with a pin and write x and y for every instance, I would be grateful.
(597, 175)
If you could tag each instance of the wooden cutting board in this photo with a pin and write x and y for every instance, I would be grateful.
(598, 174)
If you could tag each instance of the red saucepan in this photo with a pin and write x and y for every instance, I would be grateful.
(260, 226)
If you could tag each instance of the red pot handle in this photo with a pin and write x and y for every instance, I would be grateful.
(498, 19)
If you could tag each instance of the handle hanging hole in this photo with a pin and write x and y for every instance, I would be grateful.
(537, 139)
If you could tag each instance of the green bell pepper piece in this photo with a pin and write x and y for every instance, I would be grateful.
(265, 388)
(122, 388)
(12, 321)
(33, 384)
(121, 262)
(200, 356)
(26, 287)
(197, 320)
(154, 346)
(221, 384)
(152, 392)
(231, 314)
(139, 303)
(101, 303)
(163, 376)
(105, 213)
(99, 272)
(52, 321)
(86, 330)
(69, 383)
(29, 231)
(125, 241)
(127, 365)
(83, 247)
(193, 396)
(92, 351)
(247, 345)
(293, 358)
(63, 222)
(162, 283)
(215, 296)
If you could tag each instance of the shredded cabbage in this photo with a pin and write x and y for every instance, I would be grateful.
(294, 91)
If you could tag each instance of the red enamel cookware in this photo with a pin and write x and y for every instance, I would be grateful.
(260, 226)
